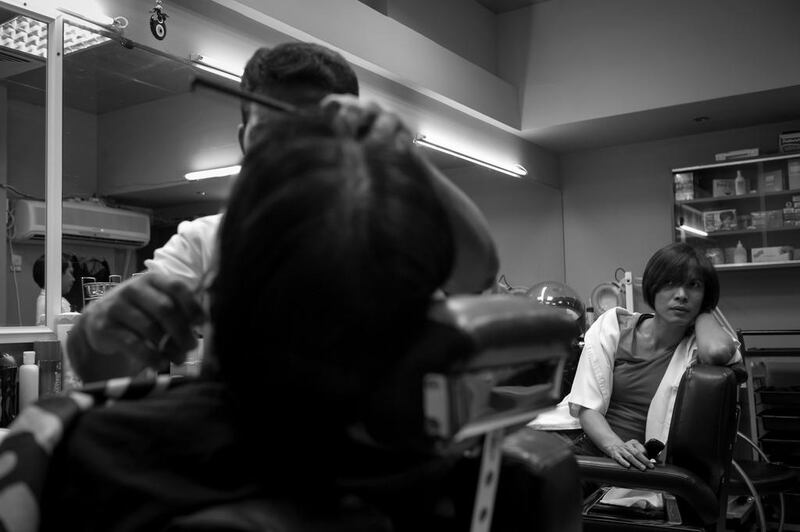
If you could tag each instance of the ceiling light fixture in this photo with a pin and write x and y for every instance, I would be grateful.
(215, 67)
(515, 170)
(28, 35)
(690, 229)
(213, 172)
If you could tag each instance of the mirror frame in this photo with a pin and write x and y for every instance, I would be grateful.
(53, 188)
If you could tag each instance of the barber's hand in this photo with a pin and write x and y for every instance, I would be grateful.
(136, 325)
(629, 453)
(366, 122)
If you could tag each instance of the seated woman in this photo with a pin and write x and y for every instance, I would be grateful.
(67, 280)
(331, 247)
(631, 364)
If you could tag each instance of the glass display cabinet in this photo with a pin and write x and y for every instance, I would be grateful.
(744, 214)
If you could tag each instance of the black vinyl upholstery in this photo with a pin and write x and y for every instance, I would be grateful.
(402, 478)
(699, 451)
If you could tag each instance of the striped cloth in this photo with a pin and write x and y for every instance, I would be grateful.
(26, 450)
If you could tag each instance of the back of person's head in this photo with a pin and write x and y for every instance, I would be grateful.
(678, 263)
(329, 253)
(299, 73)
(38, 268)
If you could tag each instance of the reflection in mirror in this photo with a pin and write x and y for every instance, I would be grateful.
(131, 130)
(23, 51)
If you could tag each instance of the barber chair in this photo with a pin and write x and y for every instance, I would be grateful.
(439, 446)
(696, 469)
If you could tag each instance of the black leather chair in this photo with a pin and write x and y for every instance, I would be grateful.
(409, 472)
(698, 460)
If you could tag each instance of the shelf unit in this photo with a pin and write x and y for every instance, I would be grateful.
(765, 217)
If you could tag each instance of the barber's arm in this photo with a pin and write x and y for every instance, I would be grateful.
(714, 344)
(127, 330)
(629, 453)
(476, 263)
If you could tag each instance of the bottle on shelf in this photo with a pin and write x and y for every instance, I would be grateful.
(28, 379)
(8, 389)
(739, 254)
(740, 184)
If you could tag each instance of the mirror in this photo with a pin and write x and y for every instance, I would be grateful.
(131, 130)
(23, 50)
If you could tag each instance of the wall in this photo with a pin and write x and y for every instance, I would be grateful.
(26, 150)
(576, 60)
(525, 218)
(466, 28)
(388, 48)
(618, 211)
(154, 144)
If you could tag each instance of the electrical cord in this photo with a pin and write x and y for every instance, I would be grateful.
(19, 192)
(14, 276)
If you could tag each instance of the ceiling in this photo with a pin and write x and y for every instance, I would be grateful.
(108, 77)
(502, 6)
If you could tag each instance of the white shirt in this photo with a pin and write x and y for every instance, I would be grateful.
(188, 253)
(40, 314)
(594, 378)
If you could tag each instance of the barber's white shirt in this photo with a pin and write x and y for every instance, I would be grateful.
(40, 314)
(188, 253)
(594, 379)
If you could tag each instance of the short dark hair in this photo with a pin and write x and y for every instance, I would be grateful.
(299, 73)
(679, 262)
(38, 268)
(329, 253)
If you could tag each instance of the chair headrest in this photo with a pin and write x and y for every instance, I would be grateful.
(479, 363)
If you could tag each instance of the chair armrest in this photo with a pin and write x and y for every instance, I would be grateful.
(678, 481)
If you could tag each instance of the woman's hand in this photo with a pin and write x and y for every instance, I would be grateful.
(629, 453)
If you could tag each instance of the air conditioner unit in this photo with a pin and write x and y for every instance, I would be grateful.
(82, 221)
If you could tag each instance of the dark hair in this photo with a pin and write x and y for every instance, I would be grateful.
(38, 268)
(300, 73)
(677, 263)
(329, 253)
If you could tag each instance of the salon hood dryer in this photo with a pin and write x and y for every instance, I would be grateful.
(616, 293)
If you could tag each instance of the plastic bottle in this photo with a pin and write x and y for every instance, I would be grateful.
(740, 184)
(28, 379)
(8, 389)
(49, 367)
(739, 254)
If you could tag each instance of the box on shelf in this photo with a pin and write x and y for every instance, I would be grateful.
(722, 187)
(794, 174)
(736, 154)
(767, 219)
(790, 215)
(724, 220)
(772, 253)
(789, 141)
(770, 181)
(684, 186)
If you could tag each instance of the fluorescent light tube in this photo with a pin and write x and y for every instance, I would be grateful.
(215, 67)
(690, 229)
(514, 170)
(213, 172)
